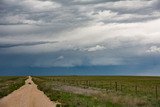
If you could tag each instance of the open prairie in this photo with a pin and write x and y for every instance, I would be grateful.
(87, 91)
(101, 91)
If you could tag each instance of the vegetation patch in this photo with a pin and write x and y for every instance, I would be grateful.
(9, 84)
(101, 91)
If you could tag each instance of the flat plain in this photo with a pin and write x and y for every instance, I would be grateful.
(92, 91)
(102, 91)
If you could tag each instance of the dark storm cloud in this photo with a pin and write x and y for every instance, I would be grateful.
(20, 13)
(69, 13)
(84, 33)
(25, 44)
(81, 2)
(49, 59)
(138, 11)
(84, 2)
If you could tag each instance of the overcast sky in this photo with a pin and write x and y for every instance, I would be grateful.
(71, 33)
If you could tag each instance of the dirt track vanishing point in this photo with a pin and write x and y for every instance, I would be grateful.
(27, 96)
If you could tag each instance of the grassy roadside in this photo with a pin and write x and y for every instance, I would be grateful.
(9, 84)
(53, 89)
(137, 86)
(68, 99)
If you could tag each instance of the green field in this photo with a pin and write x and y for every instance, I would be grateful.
(101, 91)
(9, 84)
(93, 91)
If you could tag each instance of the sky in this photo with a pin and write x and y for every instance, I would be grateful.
(80, 37)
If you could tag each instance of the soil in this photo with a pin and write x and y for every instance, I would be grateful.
(27, 96)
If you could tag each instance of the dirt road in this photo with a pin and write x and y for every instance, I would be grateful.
(27, 96)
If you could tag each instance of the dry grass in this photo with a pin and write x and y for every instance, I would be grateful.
(116, 97)
(103, 89)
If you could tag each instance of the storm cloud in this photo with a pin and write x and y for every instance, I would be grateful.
(60, 33)
(24, 44)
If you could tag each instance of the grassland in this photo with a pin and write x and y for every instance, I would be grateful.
(9, 84)
(101, 91)
(93, 91)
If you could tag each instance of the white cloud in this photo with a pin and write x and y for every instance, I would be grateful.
(153, 49)
(125, 4)
(96, 48)
(103, 15)
(40, 5)
(20, 19)
(60, 57)
(34, 5)
(111, 36)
